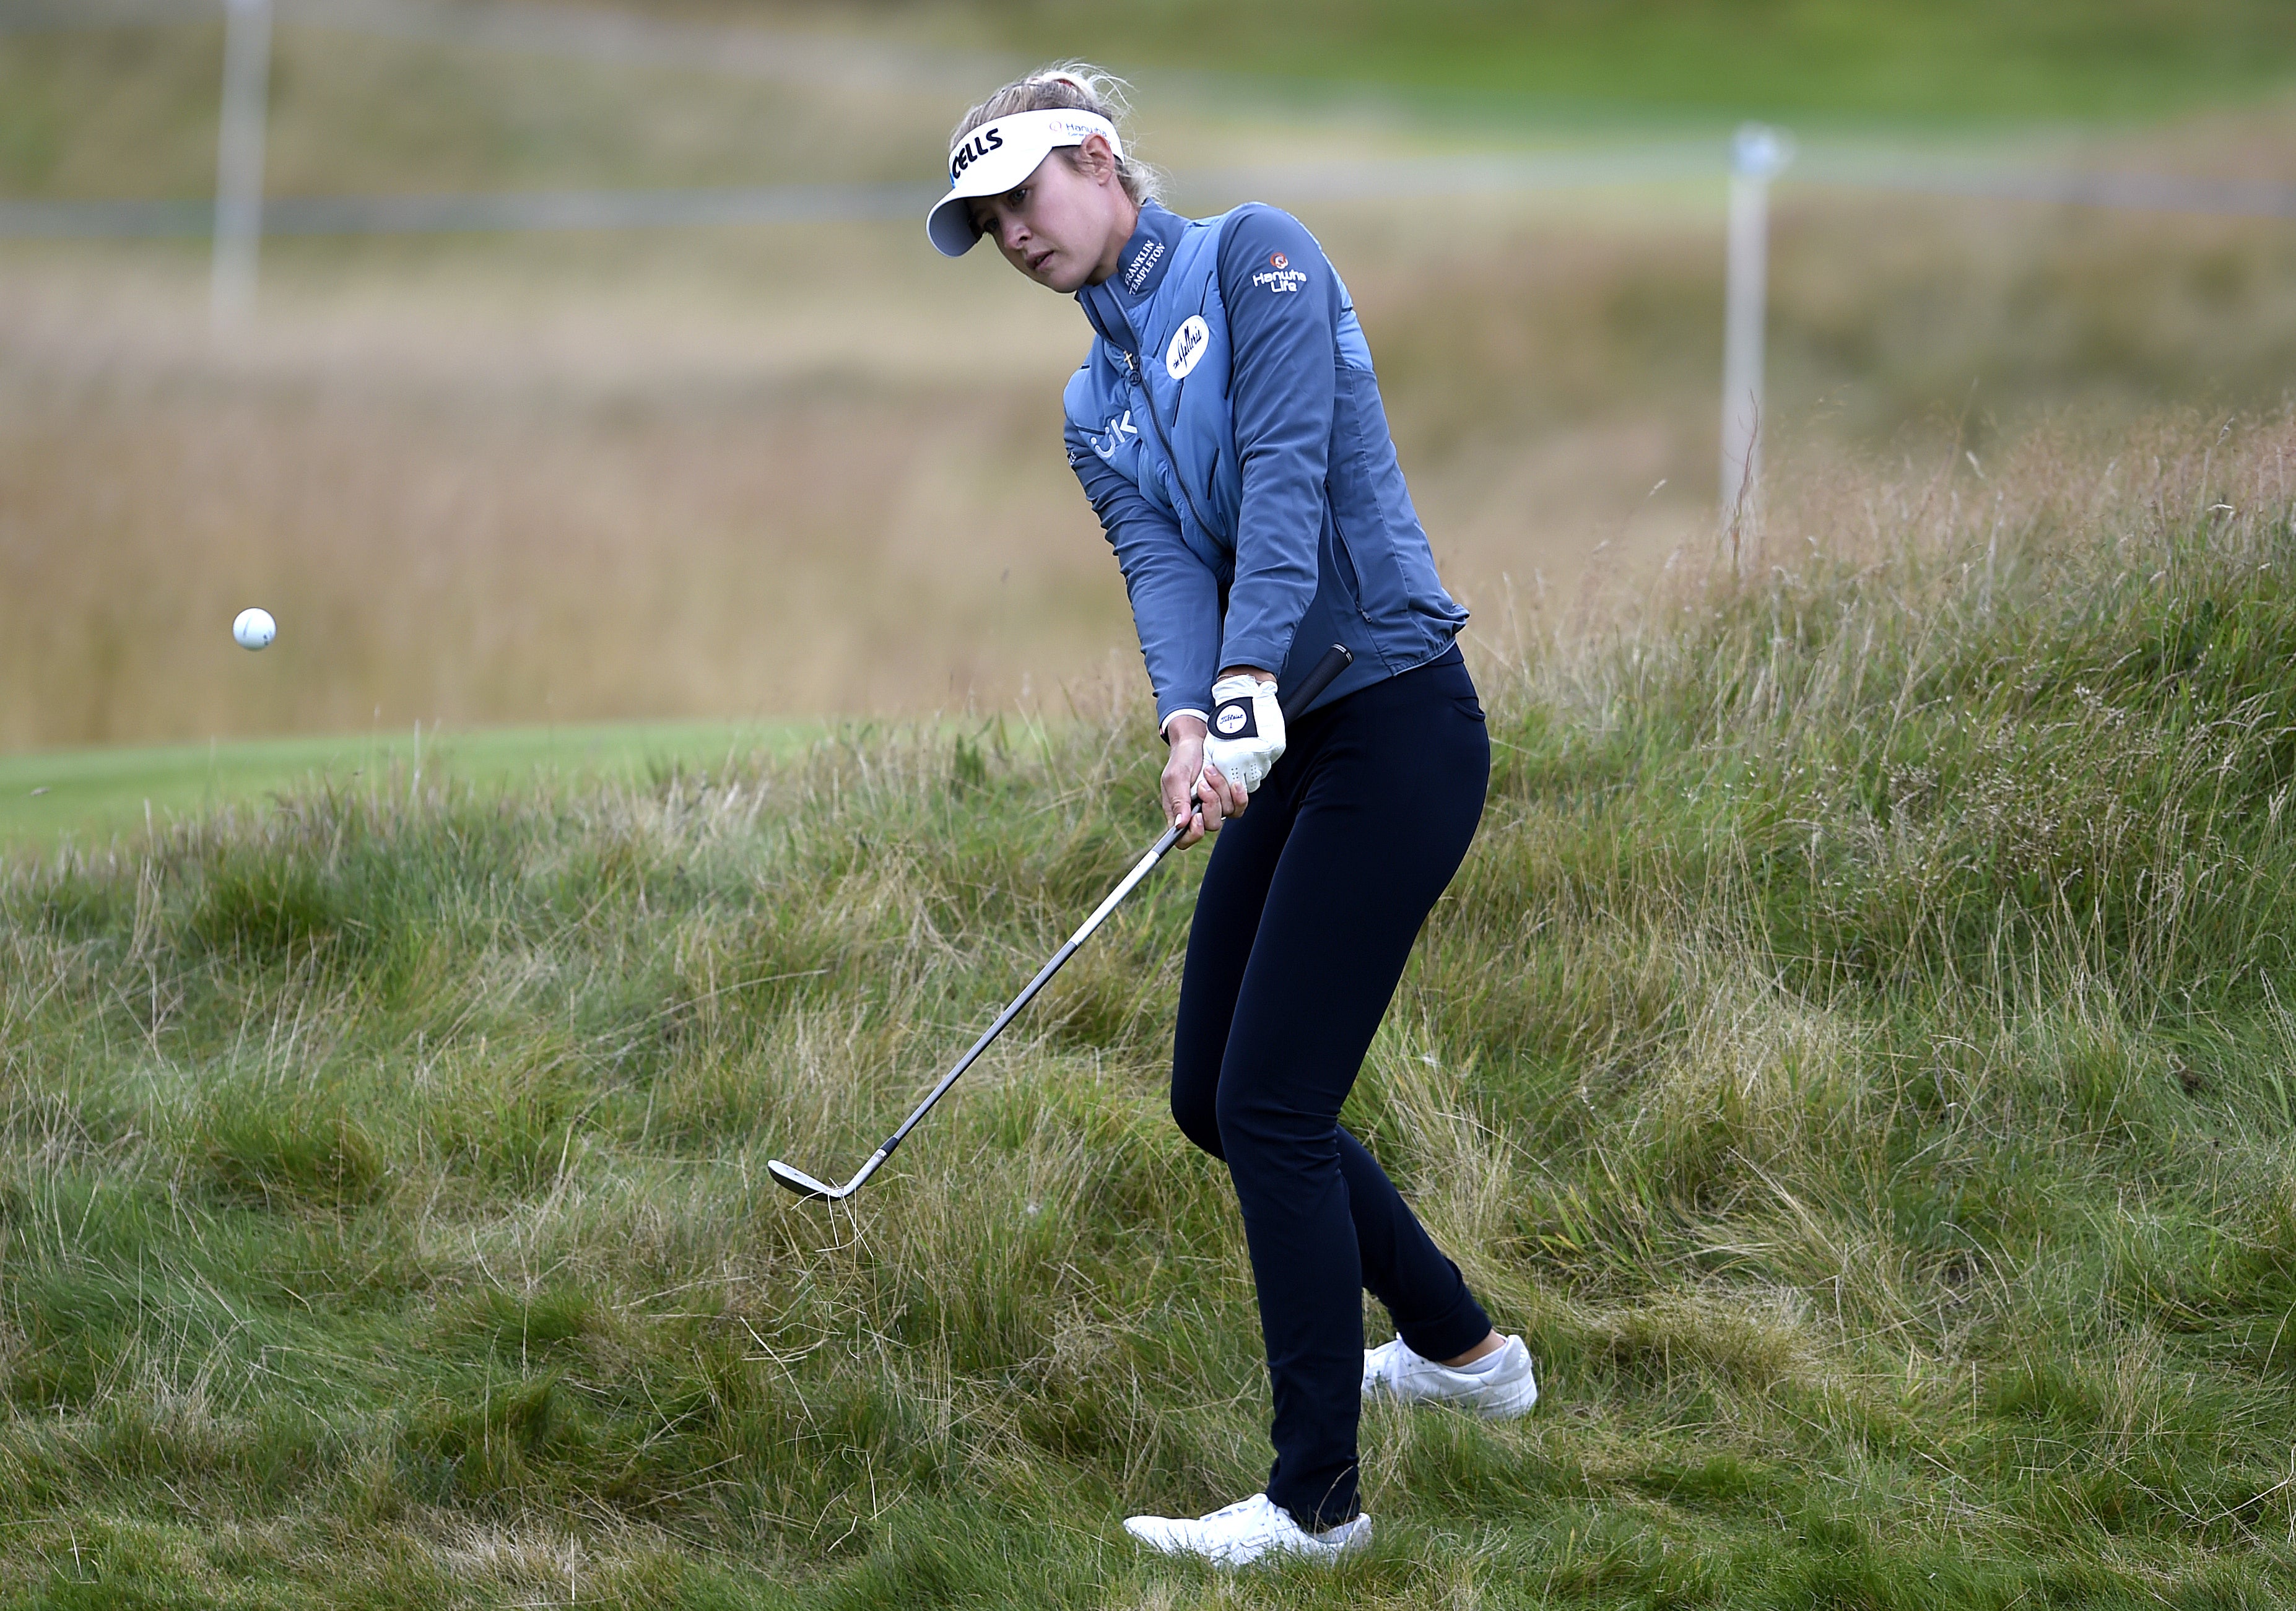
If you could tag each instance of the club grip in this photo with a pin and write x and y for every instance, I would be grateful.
(1336, 659)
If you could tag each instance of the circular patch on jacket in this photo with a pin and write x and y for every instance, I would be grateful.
(1189, 343)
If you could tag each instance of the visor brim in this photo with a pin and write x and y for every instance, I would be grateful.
(950, 225)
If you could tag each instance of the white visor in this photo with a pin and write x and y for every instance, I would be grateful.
(996, 156)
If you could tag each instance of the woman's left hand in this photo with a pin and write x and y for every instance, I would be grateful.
(1194, 792)
(1247, 729)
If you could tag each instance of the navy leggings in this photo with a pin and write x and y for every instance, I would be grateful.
(1308, 910)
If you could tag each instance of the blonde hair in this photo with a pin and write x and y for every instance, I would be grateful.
(1076, 86)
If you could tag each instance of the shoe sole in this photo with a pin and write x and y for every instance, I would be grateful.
(1513, 1409)
(1325, 1556)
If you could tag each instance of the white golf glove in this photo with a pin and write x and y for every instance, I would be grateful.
(1246, 732)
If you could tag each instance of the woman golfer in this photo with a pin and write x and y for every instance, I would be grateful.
(1226, 426)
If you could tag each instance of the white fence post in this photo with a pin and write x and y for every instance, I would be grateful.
(1757, 156)
(239, 160)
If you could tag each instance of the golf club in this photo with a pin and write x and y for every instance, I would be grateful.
(1335, 660)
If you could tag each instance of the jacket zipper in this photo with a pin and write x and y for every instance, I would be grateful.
(1148, 407)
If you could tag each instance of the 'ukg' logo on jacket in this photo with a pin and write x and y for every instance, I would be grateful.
(1118, 430)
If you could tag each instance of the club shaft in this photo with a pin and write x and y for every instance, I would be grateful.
(1334, 661)
(1141, 869)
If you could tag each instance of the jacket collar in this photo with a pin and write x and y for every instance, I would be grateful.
(1140, 269)
(1149, 253)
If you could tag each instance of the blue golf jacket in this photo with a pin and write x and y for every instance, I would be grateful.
(1227, 428)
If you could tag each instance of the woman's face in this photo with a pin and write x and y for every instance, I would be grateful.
(1064, 226)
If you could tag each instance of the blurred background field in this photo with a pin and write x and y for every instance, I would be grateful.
(753, 472)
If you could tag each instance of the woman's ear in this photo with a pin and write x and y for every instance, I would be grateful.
(1098, 162)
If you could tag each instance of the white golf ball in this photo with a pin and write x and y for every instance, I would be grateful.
(254, 628)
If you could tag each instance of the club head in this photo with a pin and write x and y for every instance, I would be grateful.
(803, 1184)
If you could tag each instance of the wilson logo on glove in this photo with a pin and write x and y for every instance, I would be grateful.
(1247, 729)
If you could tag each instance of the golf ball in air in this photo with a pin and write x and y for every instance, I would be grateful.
(254, 628)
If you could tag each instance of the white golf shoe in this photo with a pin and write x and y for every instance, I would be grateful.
(1501, 1392)
(1249, 1530)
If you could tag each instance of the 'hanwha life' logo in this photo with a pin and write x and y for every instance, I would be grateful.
(1189, 343)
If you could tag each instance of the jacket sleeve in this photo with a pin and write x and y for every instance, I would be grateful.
(1175, 604)
(1282, 302)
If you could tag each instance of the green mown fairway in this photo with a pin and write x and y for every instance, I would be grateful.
(1856, 1055)
(87, 797)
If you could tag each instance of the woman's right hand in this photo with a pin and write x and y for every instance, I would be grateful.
(1195, 792)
